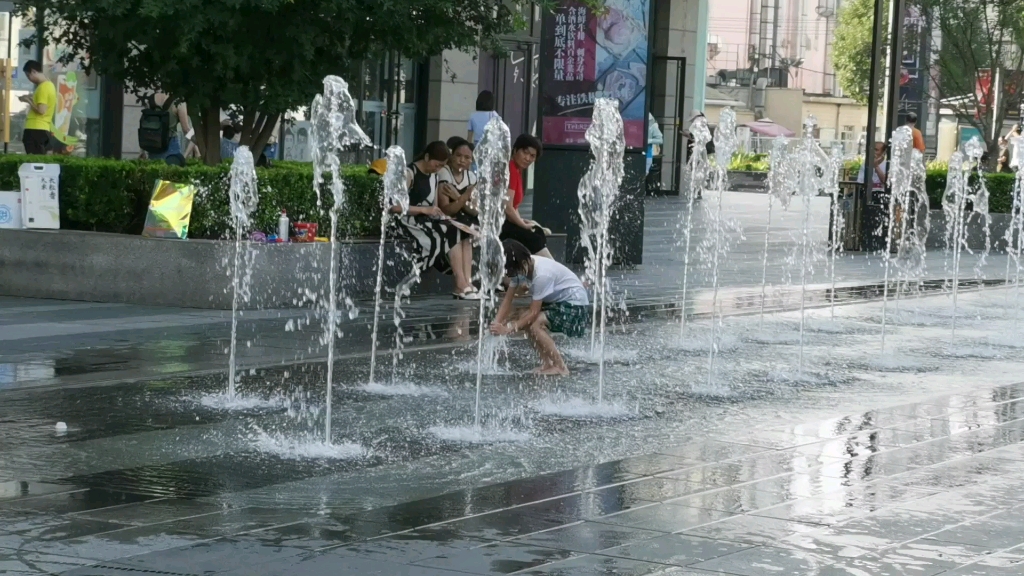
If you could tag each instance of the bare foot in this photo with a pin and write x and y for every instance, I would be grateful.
(552, 371)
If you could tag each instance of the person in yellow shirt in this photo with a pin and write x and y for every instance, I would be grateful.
(42, 104)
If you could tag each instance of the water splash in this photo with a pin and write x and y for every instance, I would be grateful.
(835, 166)
(1015, 232)
(965, 185)
(598, 191)
(813, 170)
(726, 144)
(402, 292)
(908, 219)
(899, 179)
(581, 409)
(781, 183)
(699, 168)
(334, 129)
(396, 193)
(243, 198)
(306, 447)
(400, 389)
(492, 156)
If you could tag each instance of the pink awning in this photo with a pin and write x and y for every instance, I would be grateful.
(768, 128)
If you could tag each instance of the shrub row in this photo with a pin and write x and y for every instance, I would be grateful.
(1000, 186)
(106, 195)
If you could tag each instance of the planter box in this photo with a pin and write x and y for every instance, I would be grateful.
(747, 181)
(100, 267)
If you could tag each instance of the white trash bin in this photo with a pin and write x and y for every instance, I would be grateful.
(40, 205)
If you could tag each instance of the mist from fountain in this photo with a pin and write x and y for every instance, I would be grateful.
(598, 191)
(242, 198)
(699, 169)
(334, 129)
(396, 193)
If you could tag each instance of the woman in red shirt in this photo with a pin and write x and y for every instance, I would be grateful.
(525, 152)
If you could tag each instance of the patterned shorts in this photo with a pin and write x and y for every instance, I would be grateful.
(569, 319)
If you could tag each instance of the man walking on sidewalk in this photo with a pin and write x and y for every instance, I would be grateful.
(42, 103)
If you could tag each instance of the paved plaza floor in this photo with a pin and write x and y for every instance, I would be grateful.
(820, 450)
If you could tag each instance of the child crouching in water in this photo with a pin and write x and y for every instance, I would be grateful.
(560, 304)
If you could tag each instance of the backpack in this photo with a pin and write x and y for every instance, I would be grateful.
(155, 127)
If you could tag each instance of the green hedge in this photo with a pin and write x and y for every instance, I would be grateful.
(1000, 186)
(107, 195)
(1000, 190)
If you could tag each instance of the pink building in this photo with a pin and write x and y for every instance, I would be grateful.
(788, 39)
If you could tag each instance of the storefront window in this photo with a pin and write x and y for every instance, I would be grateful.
(386, 102)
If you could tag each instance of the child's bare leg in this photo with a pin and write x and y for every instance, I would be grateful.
(551, 362)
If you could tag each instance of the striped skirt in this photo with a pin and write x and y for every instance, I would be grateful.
(430, 239)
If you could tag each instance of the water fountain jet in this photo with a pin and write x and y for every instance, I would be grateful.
(492, 156)
(243, 198)
(699, 168)
(396, 193)
(334, 129)
(598, 191)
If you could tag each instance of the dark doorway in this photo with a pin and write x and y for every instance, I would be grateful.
(668, 85)
(513, 80)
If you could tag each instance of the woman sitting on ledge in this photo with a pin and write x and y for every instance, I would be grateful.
(438, 239)
(525, 152)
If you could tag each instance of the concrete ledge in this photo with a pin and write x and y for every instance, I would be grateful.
(975, 231)
(100, 267)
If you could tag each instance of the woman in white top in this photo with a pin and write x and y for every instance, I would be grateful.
(478, 120)
(457, 183)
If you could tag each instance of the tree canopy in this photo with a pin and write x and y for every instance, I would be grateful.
(969, 39)
(260, 57)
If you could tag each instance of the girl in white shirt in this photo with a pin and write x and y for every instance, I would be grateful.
(560, 304)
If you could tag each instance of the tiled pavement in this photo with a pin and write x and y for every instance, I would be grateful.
(935, 487)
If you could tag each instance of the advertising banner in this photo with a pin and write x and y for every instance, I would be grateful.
(586, 55)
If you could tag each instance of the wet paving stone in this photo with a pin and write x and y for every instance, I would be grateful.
(997, 532)
(752, 530)
(153, 511)
(411, 547)
(609, 566)
(10, 491)
(497, 558)
(675, 549)
(767, 561)
(706, 451)
(15, 561)
(210, 557)
(735, 500)
(665, 517)
(588, 537)
(77, 501)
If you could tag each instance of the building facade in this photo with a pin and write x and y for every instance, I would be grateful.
(410, 103)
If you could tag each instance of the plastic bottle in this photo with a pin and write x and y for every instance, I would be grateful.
(282, 227)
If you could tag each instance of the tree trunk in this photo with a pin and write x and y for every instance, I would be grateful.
(208, 134)
(257, 129)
